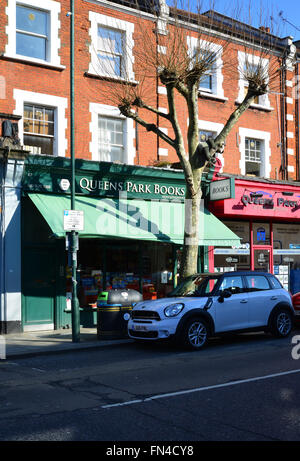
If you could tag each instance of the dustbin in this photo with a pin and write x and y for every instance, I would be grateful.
(113, 310)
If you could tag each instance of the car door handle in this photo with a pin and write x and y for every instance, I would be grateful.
(243, 301)
(273, 298)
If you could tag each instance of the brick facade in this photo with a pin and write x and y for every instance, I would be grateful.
(38, 79)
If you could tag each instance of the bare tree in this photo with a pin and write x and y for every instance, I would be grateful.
(179, 66)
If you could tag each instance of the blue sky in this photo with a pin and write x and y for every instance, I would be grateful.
(290, 12)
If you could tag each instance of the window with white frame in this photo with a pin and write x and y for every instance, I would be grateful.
(110, 51)
(250, 63)
(208, 78)
(111, 139)
(255, 152)
(33, 31)
(206, 83)
(112, 135)
(212, 80)
(43, 130)
(38, 129)
(111, 48)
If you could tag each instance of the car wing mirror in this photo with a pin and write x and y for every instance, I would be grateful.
(224, 294)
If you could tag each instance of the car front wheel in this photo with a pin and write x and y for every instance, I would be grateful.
(195, 334)
(282, 323)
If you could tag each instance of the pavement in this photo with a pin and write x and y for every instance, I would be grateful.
(48, 342)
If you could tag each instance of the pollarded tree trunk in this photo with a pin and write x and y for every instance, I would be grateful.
(193, 197)
(189, 259)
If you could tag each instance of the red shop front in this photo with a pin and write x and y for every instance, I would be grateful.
(265, 214)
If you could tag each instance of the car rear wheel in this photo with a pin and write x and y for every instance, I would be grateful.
(282, 323)
(195, 334)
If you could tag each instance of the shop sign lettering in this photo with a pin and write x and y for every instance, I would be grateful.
(92, 185)
(247, 200)
(222, 190)
(281, 202)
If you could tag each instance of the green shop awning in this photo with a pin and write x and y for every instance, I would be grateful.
(159, 221)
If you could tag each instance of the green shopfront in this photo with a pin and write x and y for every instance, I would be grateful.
(131, 238)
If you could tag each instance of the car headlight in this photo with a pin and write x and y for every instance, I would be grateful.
(173, 310)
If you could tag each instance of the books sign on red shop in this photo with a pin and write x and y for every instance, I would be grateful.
(254, 199)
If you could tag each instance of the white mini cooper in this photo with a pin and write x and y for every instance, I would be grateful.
(205, 305)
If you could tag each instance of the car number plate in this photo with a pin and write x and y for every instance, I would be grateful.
(140, 328)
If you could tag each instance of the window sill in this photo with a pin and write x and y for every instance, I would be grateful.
(257, 106)
(110, 78)
(216, 97)
(33, 62)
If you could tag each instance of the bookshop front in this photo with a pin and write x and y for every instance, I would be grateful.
(132, 235)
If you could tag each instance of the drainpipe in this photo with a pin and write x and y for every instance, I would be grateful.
(283, 122)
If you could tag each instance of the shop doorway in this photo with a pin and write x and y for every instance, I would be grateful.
(262, 259)
(38, 288)
(261, 247)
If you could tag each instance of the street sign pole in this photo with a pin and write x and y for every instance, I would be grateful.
(73, 249)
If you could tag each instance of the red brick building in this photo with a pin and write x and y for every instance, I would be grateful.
(35, 61)
(261, 152)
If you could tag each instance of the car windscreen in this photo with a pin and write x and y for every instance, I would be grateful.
(196, 285)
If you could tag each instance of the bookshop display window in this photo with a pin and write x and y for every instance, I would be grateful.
(104, 265)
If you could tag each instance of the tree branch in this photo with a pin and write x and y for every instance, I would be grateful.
(139, 103)
(127, 112)
(182, 89)
(233, 119)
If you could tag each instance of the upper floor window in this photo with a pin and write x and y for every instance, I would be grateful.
(211, 81)
(255, 150)
(110, 51)
(253, 156)
(111, 139)
(206, 83)
(32, 32)
(111, 47)
(208, 80)
(249, 65)
(112, 135)
(38, 129)
(43, 129)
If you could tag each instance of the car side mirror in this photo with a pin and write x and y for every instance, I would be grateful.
(224, 294)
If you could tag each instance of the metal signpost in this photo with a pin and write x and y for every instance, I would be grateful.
(74, 235)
